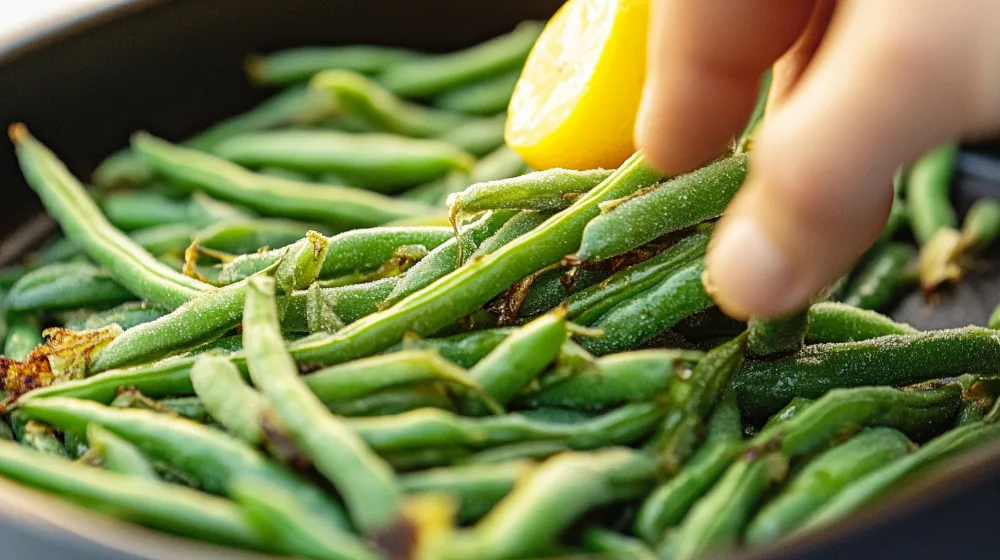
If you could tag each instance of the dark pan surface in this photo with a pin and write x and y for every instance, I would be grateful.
(172, 67)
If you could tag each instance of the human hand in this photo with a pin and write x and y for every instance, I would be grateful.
(860, 87)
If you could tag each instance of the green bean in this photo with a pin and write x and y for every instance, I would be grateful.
(349, 303)
(366, 376)
(666, 506)
(743, 142)
(764, 387)
(979, 395)
(358, 96)
(485, 96)
(83, 223)
(161, 379)
(308, 201)
(351, 251)
(981, 225)
(429, 458)
(918, 414)
(159, 505)
(301, 265)
(41, 438)
(188, 407)
(65, 286)
(380, 162)
(294, 105)
(679, 295)
(274, 513)
(549, 499)
(790, 410)
(301, 63)
(320, 316)
(479, 136)
(118, 455)
(692, 398)
(10, 275)
(244, 237)
(158, 240)
(285, 173)
(823, 478)
(228, 399)
(880, 278)
(136, 210)
(463, 349)
(23, 335)
(477, 488)
(615, 546)
(520, 224)
(394, 401)
(718, 519)
(210, 457)
(533, 450)
(446, 256)
(588, 305)
(874, 485)
(430, 427)
(548, 290)
(692, 198)
(431, 75)
(636, 376)
(927, 192)
(839, 322)
(548, 190)
(774, 336)
(503, 163)
(366, 482)
(520, 357)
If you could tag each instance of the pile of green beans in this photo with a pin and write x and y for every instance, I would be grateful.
(351, 324)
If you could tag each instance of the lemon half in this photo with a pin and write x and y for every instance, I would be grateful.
(576, 101)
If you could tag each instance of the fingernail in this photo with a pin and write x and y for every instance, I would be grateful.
(747, 274)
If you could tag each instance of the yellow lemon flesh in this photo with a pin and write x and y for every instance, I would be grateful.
(576, 101)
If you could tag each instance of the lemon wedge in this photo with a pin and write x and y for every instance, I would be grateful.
(575, 104)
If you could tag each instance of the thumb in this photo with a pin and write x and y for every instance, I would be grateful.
(891, 79)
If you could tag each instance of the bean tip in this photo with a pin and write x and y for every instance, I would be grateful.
(252, 66)
(17, 132)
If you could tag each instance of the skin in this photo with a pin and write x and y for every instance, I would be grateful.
(882, 81)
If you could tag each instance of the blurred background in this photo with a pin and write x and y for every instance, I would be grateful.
(18, 18)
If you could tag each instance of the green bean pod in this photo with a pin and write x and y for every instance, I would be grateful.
(839, 322)
(360, 378)
(65, 286)
(679, 203)
(476, 487)
(351, 251)
(823, 478)
(361, 97)
(379, 162)
(206, 455)
(588, 305)
(523, 450)
(158, 240)
(432, 75)
(23, 335)
(118, 455)
(636, 376)
(549, 499)
(438, 428)
(367, 483)
(775, 336)
(666, 506)
(251, 236)
(927, 192)
(40, 437)
(479, 136)
(521, 357)
(548, 190)
(876, 484)
(464, 349)
(138, 210)
(692, 399)
(880, 278)
(167, 507)
(897, 360)
(395, 401)
(277, 517)
(615, 546)
(981, 225)
(445, 258)
(228, 399)
(349, 303)
(679, 295)
(307, 201)
(298, 64)
(717, 520)
(301, 265)
(83, 223)
(548, 290)
(485, 96)
(188, 407)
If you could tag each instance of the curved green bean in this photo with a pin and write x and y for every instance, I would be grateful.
(928, 188)
(880, 277)
(298, 64)
(69, 285)
(839, 322)
(547, 190)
